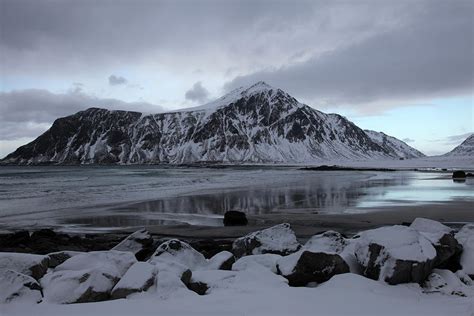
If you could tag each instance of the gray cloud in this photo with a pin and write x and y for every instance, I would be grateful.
(456, 139)
(408, 140)
(430, 55)
(197, 93)
(35, 110)
(117, 80)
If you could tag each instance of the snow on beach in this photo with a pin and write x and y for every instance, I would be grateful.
(169, 281)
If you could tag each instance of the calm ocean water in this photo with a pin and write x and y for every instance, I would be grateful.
(113, 197)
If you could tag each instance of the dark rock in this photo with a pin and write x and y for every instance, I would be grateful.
(235, 218)
(395, 254)
(222, 261)
(56, 258)
(211, 247)
(43, 233)
(198, 287)
(459, 174)
(311, 267)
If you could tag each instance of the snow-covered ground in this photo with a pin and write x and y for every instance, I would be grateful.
(259, 292)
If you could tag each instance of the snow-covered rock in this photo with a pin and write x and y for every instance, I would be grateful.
(394, 145)
(177, 251)
(140, 243)
(56, 258)
(138, 278)
(395, 254)
(16, 287)
(267, 261)
(204, 281)
(221, 261)
(32, 265)
(465, 236)
(304, 267)
(448, 283)
(442, 238)
(172, 277)
(87, 277)
(465, 149)
(279, 239)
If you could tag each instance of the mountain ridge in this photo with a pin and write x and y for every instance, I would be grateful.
(255, 124)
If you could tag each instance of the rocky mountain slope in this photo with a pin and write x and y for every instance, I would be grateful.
(466, 148)
(256, 124)
(394, 145)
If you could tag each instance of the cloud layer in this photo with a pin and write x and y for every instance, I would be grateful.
(197, 93)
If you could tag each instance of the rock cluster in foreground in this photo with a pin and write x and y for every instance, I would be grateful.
(426, 252)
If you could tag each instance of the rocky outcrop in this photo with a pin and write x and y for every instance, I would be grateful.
(395, 254)
(279, 239)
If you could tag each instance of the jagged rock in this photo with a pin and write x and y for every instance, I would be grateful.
(198, 287)
(221, 261)
(56, 258)
(18, 288)
(32, 265)
(267, 261)
(395, 254)
(304, 267)
(465, 236)
(442, 238)
(87, 277)
(138, 278)
(235, 218)
(178, 251)
(140, 243)
(279, 239)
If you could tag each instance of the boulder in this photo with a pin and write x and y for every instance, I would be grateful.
(56, 258)
(442, 238)
(87, 277)
(140, 243)
(447, 283)
(304, 267)
(235, 218)
(18, 288)
(138, 278)
(202, 282)
(180, 252)
(279, 239)
(32, 265)
(267, 261)
(221, 261)
(465, 237)
(332, 242)
(459, 174)
(395, 254)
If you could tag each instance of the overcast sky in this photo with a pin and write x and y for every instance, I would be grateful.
(403, 67)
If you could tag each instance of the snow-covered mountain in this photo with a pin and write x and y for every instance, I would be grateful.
(394, 145)
(466, 148)
(257, 124)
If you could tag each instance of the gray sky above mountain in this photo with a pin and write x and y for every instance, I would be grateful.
(373, 61)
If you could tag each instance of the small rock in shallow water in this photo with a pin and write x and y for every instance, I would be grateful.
(235, 218)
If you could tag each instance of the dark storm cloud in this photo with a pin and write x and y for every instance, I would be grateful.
(197, 93)
(27, 113)
(117, 80)
(429, 56)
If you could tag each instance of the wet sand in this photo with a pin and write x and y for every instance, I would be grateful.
(454, 214)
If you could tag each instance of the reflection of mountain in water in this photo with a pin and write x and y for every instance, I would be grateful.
(323, 193)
